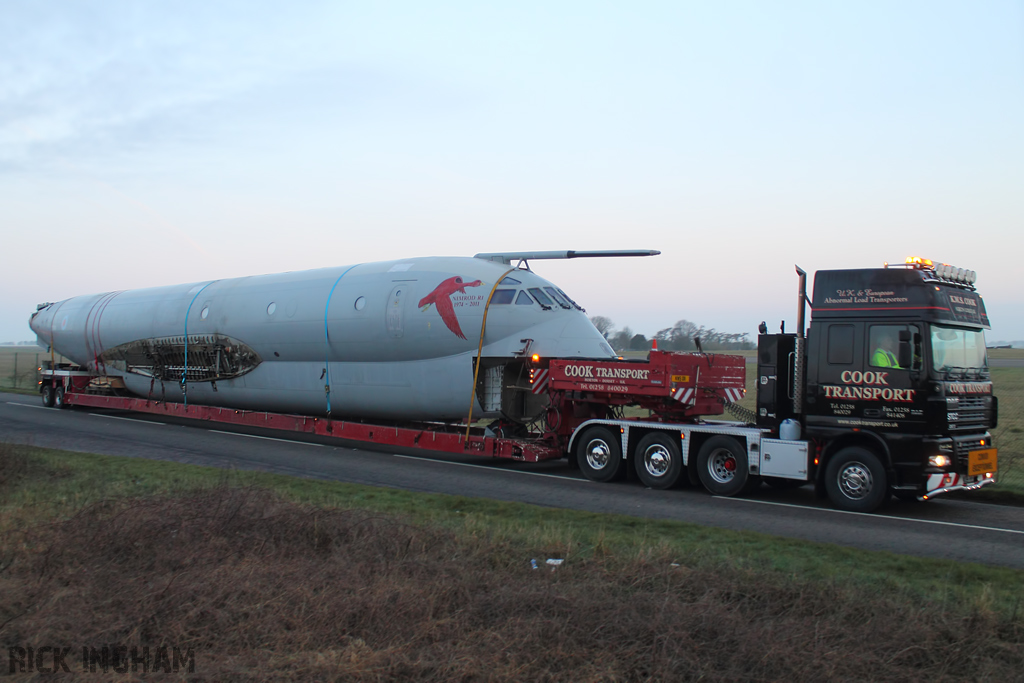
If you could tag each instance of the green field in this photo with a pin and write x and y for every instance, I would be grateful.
(18, 366)
(276, 578)
(302, 579)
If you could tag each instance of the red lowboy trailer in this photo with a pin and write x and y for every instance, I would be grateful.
(581, 393)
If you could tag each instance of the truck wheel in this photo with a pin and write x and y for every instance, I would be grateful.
(659, 464)
(722, 466)
(47, 395)
(856, 481)
(58, 397)
(599, 454)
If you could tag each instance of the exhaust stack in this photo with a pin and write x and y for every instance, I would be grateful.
(798, 363)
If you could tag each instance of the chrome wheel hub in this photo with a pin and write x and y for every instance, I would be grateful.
(598, 454)
(855, 481)
(657, 460)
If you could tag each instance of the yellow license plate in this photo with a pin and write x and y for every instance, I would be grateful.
(980, 462)
(680, 379)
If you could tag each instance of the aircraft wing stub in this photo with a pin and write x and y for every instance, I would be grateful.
(509, 256)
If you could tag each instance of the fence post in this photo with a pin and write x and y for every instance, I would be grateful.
(15, 370)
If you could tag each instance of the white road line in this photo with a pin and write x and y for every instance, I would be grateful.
(267, 438)
(26, 405)
(491, 469)
(128, 419)
(871, 515)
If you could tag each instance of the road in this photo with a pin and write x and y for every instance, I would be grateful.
(944, 528)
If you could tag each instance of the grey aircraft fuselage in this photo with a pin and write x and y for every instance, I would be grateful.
(394, 339)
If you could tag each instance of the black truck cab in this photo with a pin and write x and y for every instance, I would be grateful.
(891, 383)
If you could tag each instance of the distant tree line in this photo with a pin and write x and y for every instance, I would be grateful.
(679, 337)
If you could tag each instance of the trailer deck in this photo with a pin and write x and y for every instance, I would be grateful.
(437, 437)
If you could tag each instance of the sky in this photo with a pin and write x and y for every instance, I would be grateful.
(146, 143)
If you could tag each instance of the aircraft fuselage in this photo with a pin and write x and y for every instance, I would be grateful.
(394, 339)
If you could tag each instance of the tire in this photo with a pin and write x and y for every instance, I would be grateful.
(47, 395)
(722, 467)
(599, 454)
(856, 481)
(58, 397)
(658, 460)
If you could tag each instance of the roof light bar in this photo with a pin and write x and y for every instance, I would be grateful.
(944, 270)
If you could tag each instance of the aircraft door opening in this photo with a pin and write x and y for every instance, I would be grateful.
(395, 316)
(505, 387)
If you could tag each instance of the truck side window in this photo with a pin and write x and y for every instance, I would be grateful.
(840, 344)
(883, 345)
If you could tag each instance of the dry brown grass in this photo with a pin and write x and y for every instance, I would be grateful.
(266, 589)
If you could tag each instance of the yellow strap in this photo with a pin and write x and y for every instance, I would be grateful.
(479, 350)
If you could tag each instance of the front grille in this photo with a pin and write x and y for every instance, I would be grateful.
(971, 411)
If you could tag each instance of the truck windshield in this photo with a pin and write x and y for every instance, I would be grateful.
(957, 349)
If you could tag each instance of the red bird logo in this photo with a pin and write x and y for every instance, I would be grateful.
(440, 298)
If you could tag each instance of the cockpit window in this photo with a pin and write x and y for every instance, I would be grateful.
(524, 299)
(509, 280)
(569, 299)
(503, 296)
(541, 297)
(557, 297)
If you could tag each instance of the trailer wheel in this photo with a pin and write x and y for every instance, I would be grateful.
(599, 454)
(47, 395)
(58, 397)
(856, 480)
(722, 466)
(659, 464)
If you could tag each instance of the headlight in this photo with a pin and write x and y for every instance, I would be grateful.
(939, 461)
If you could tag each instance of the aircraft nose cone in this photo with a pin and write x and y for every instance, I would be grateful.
(577, 338)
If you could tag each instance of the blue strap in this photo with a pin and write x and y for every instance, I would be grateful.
(184, 374)
(327, 342)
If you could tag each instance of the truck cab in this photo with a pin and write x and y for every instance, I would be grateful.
(891, 383)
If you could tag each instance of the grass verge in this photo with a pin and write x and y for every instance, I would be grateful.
(272, 577)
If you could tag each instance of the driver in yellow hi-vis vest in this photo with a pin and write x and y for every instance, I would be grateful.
(884, 356)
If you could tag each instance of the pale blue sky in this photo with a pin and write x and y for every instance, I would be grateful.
(147, 143)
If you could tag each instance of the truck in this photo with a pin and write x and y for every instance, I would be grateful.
(887, 392)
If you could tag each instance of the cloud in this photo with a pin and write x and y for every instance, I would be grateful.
(87, 79)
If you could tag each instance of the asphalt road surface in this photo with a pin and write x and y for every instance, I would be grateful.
(943, 528)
